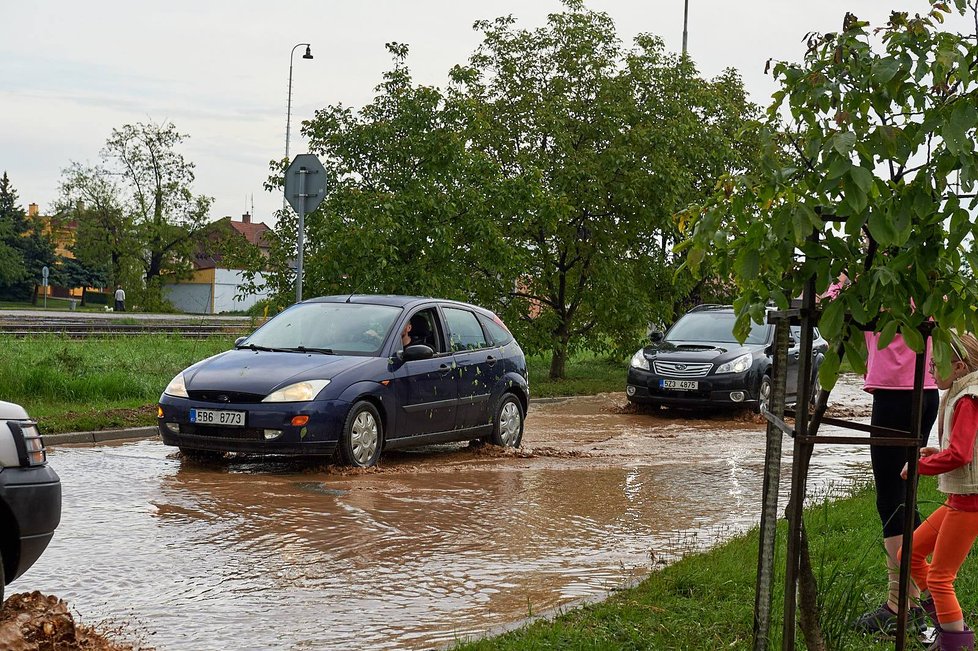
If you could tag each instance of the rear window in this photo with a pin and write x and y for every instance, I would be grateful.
(714, 327)
(498, 334)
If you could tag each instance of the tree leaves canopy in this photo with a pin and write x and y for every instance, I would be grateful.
(870, 144)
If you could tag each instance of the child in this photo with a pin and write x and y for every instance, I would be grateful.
(950, 531)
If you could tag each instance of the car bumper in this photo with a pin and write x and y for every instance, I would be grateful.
(33, 498)
(643, 387)
(267, 429)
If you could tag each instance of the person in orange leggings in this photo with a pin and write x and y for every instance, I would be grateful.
(948, 534)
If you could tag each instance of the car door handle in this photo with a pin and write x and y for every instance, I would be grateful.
(490, 360)
(444, 368)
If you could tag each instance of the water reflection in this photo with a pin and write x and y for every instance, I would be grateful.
(259, 556)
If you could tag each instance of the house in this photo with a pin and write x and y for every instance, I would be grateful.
(213, 287)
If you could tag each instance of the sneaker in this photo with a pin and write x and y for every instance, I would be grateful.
(884, 620)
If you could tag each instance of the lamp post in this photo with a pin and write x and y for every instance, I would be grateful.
(288, 117)
(685, 23)
(301, 227)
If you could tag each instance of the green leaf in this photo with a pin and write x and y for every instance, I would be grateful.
(828, 372)
(748, 263)
(843, 142)
(831, 320)
(888, 333)
(885, 69)
(913, 337)
(838, 167)
(862, 177)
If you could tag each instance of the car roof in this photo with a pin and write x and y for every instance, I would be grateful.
(393, 300)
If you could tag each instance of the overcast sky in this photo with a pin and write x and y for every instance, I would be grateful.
(72, 71)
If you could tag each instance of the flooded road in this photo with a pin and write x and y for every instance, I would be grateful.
(437, 544)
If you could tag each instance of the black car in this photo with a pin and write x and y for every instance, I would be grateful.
(30, 494)
(699, 362)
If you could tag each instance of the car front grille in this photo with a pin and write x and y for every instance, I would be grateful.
(213, 431)
(682, 369)
(226, 397)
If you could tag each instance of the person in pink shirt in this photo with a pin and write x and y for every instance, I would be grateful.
(889, 378)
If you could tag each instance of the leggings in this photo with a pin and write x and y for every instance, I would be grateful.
(891, 408)
(948, 534)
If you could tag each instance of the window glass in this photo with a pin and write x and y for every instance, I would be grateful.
(423, 330)
(340, 328)
(714, 327)
(466, 333)
(498, 334)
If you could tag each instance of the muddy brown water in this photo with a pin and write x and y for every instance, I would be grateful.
(438, 544)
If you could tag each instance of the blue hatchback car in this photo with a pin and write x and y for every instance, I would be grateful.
(352, 376)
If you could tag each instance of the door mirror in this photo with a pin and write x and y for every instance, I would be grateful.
(237, 342)
(417, 351)
(656, 337)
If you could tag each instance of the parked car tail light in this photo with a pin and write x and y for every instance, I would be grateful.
(27, 440)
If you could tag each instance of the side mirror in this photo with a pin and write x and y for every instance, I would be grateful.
(656, 337)
(237, 342)
(417, 351)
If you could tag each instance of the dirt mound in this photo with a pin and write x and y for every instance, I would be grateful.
(36, 622)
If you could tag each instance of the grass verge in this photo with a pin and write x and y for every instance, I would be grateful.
(585, 374)
(705, 601)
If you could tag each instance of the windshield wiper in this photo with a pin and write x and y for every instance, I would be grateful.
(303, 349)
(256, 347)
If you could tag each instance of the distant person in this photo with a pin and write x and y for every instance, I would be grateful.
(950, 531)
(120, 299)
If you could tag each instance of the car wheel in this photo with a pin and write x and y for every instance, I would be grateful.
(507, 424)
(363, 436)
(764, 391)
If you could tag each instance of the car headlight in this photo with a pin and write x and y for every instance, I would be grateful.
(639, 361)
(298, 392)
(737, 365)
(177, 387)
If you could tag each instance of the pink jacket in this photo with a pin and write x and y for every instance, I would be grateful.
(892, 367)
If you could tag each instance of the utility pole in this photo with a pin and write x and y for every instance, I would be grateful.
(685, 24)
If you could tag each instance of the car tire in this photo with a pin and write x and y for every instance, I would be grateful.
(764, 391)
(507, 422)
(363, 436)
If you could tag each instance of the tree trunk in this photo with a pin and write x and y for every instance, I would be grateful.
(808, 599)
(558, 362)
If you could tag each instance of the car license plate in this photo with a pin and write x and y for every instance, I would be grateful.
(679, 385)
(217, 417)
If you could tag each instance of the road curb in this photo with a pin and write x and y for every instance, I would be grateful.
(100, 436)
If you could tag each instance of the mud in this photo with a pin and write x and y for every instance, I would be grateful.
(37, 622)
(436, 544)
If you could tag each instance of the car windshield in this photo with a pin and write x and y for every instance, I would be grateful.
(328, 328)
(713, 328)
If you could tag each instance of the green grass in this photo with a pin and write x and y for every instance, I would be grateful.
(705, 601)
(53, 305)
(585, 374)
(88, 384)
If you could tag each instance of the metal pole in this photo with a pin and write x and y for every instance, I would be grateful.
(302, 229)
(288, 113)
(685, 23)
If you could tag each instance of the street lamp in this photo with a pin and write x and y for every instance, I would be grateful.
(288, 118)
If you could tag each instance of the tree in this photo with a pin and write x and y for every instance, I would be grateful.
(12, 269)
(542, 182)
(878, 158)
(137, 206)
(105, 236)
(24, 240)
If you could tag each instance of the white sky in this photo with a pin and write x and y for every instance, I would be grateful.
(72, 71)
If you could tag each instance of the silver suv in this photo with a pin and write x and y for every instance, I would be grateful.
(30, 494)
